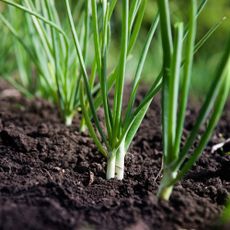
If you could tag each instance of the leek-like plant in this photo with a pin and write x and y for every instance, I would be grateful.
(178, 52)
(114, 138)
(45, 51)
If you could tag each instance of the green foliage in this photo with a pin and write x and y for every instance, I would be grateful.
(6, 64)
(50, 67)
(47, 64)
(120, 128)
(209, 54)
(178, 52)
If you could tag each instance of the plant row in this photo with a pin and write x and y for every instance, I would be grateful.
(63, 57)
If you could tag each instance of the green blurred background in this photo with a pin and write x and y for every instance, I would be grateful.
(206, 60)
(208, 57)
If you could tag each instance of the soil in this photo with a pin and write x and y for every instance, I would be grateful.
(52, 177)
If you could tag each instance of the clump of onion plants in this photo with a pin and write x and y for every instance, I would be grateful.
(47, 64)
(178, 53)
(114, 137)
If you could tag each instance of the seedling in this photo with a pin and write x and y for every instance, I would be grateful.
(120, 128)
(115, 137)
(176, 158)
(45, 48)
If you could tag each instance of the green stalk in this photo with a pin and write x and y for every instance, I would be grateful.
(120, 161)
(167, 44)
(174, 82)
(84, 72)
(187, 74)
(122, 67)
(83, 126)
(103, 79)
(68, 120)
(111, 165)
(96, 34)
(165, 191)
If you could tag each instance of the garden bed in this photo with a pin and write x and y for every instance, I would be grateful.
(52, 177)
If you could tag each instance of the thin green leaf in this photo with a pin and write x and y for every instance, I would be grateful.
(122, 67)
(174, 82)
(140, 67)
(89, 124)
(84, 73)
(211, 31)
(137, 26)
(187, 74)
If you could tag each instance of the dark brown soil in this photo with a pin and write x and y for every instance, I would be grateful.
(52, 177)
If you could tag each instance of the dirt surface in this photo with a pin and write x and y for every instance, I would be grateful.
(52, 177)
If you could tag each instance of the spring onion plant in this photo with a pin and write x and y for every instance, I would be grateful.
(178, 53)
(114, 137)
(47, 64)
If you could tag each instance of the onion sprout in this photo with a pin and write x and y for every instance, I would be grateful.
(176, 160)
(47, 48)
(114, 141)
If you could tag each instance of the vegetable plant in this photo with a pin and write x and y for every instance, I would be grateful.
(47, 64)
(178, 58)
(114, 137)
